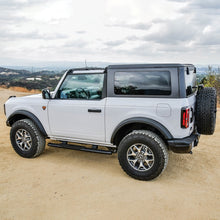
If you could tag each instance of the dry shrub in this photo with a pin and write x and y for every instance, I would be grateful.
(21, 89)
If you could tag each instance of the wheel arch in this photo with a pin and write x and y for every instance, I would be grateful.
(22, 114)
(139, 123)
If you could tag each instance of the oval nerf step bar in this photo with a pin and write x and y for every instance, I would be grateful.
(94, 148)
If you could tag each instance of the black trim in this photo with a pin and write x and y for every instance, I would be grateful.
(194, 71)
(187, 70)
(104, 89)
(182, 85)
(184, 145)
(83, 69)
(94, 148)
(11, 96)
(4, 109)
(146, 121)
(95, 110)
(154, 65)
(30, 116)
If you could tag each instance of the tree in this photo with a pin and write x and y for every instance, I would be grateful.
(212, 79)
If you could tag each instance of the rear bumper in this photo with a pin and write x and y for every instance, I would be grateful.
(184, 145)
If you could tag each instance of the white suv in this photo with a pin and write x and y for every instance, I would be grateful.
(140, 111)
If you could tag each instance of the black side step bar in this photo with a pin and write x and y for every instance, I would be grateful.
(94, 148)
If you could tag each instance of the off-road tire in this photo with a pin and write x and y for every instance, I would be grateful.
(37, 139)
(206, 100)
(156, 146)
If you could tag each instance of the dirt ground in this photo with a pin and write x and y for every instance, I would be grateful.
(66, 184)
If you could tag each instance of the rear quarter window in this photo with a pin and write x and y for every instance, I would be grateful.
(190, 82)
(142, 83)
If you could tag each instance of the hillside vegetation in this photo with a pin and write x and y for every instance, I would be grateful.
(29, 80)
(212, 79)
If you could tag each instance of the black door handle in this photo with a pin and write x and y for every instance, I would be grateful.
(95, 110)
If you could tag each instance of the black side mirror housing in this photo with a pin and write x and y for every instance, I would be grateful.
(46, 94)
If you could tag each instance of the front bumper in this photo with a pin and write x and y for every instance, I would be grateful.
(184, 145)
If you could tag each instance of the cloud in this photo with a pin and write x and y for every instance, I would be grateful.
(7, 19)
(11, 35)
(178, 0)
(80, 32)
(114, 43)
(138, 25)
(77, 43)
(208, 4)
(209, 36)
(194, 17)
(9, 13)
(20, 3)
(132, 38)
(172, 32)
(110, 30)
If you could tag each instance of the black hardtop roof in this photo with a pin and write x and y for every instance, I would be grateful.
(132, 66)
(150, 65)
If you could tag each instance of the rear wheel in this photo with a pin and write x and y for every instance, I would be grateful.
(26, 139)
(206, 110)
(143, 155)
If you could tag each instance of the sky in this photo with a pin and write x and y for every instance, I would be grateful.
(118, 31)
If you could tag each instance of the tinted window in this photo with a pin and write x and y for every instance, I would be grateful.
(143, 83)
(82, 86)
(190, 80)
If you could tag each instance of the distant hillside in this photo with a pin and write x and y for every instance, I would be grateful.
(56, 66)
(29, 80)
(8, 71)
(204, 70)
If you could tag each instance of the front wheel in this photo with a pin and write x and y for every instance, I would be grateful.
(143, 155)
(26, 139)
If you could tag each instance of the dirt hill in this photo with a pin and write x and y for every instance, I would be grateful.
(66, 184)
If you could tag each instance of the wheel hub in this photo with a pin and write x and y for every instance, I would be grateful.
(140, 157)
(23, 139)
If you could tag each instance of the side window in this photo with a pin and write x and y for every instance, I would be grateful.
(190, 81)
(143, 83)
(82, 86)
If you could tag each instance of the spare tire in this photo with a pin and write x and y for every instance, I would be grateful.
(206, 100)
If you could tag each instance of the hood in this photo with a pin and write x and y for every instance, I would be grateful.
(14, 99)
(32, 96)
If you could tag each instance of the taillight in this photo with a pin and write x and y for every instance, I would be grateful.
(185, 112)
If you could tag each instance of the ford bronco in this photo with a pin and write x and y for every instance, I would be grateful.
(139, 111)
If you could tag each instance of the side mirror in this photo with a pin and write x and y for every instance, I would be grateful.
(46, 94)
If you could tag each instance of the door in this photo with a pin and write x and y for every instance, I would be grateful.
(78, 109)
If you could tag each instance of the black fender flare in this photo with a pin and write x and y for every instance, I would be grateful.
(162, 129)
(29, 115)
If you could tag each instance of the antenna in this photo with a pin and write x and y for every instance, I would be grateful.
(85, 63)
